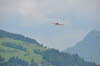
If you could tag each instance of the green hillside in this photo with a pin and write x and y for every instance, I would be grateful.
(7, 52)
(5, 34)
(15, 52)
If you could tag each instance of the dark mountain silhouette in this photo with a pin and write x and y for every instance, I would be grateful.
(88, 48)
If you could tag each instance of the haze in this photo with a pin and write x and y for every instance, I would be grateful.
(33, 18)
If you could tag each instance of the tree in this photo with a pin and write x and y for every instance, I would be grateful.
(33, 63)
(1, 59)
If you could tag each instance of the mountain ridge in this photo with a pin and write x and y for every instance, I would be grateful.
(15, 52)
(88, 48)
(5, 34)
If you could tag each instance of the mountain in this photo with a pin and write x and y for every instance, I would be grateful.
(16, 50)
(5, 34)
(88, 48)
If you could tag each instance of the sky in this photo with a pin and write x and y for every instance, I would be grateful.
(33, 18)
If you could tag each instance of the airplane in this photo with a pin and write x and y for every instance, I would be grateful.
(57, 23)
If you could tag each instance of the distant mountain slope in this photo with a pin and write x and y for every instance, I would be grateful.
(89, 47)
(15, 52)
(5, 34)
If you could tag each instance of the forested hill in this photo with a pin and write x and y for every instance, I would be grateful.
(14, 51)
(5, 34)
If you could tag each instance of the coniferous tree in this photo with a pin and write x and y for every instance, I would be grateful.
(33, 63)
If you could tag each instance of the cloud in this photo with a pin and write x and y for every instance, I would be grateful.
(39, 11)
(25, 15)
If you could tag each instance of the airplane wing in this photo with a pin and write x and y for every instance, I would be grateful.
(57, 24)
(54, 23)
(60, 24)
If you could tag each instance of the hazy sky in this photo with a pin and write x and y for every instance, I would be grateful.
(33, 18)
